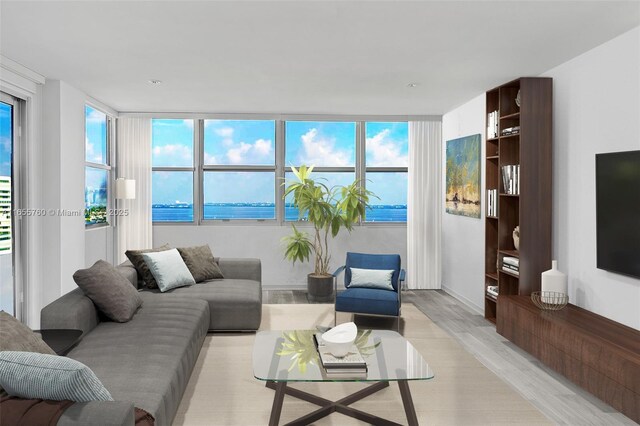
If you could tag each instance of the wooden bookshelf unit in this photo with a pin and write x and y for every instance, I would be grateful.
(527, 205)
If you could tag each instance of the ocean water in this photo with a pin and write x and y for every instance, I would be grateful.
(184, 213)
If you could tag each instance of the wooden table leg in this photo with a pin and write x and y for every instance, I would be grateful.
(278, 398)
(409, 409)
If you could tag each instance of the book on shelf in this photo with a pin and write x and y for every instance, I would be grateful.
(511, 179)
(511, 131)
(509, 267)
(512, 261)
(492, 291)
(492, 125)
(512, 271)
(352, 363)
(492, 202)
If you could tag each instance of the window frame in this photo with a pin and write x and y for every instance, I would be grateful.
(383, 169)
(108, 165)
(194, 169)
(237, 168)
(280, 168)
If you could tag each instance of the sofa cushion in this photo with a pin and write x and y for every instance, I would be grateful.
(201, 263)
(168, 269)
(15, 336)
(368, 301)
(43, 376)
(371, 278)
(235, 304)
(149, 359)
(112, 293)
(135, 257)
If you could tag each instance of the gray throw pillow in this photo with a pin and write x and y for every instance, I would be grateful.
(135, 257)
(201, 263)
(169, 269)
(15, 336)
(112, 293)
(41, 376)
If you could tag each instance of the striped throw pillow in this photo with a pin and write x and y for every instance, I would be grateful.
(43, 376)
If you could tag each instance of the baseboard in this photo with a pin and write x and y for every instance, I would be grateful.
(468, 303)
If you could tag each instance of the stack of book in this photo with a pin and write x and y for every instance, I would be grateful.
(511, 179)
(492, 202)
(492, 125)
(511, 264)
(492, 291)
(351, 365)
(511, 131)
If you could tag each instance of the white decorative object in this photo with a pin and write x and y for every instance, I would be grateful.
(339, 339)
(553, 280)
(125, 189)
(516, 238)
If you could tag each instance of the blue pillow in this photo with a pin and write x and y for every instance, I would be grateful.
(168, 268)
(372, 278)
(43, 376)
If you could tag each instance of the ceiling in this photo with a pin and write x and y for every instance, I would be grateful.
(301, 57)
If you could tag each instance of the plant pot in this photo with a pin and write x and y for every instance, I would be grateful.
(320, 288)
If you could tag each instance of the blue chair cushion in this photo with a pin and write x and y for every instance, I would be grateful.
(368, 301)
(373, 261)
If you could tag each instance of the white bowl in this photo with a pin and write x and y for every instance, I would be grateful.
(339, 339)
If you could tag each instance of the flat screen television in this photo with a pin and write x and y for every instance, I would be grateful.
(618, 212)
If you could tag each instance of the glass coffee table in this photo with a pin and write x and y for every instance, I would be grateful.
(283, 357)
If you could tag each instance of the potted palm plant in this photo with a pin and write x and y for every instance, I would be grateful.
(328, 209)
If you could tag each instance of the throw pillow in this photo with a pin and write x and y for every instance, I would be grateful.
(41, 376)
(135, 257)
(200, 262)
(112, 293)
(168, 269)
(372, 278)
(15, 336)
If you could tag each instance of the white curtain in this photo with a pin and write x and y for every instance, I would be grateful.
(424, 204)
(134, 231)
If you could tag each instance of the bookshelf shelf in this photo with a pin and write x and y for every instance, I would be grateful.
(524, 158)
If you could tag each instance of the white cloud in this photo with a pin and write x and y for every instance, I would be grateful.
(210, 159)
(5, 143)
(382, 151)
(188, 123)
(90, 152)
(227, 142)
(96, 116)
(250, 153)
(172, 154)
(225, 132)
(320, 151)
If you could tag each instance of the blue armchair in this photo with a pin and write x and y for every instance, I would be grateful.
(370, 301)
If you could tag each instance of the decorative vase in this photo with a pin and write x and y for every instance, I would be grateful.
(553, 280)
(516, 238)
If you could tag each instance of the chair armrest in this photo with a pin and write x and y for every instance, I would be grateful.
(338, 271)
(402, 274)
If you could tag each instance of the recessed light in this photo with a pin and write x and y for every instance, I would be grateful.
(155, 82)
(412, 84)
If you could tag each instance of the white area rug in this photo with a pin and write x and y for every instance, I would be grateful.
(223, 391)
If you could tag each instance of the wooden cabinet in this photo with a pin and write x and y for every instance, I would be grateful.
(600, 355)
(523, 138)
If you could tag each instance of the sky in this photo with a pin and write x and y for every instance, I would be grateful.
(5, 139)
(96, 136)
(252, 142)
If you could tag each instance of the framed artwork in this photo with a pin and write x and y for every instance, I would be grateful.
(462, 195)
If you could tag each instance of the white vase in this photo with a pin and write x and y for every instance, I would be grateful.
(553, 280)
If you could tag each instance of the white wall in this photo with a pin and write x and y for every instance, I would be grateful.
(263, 242)
(463, 237)
(596, 110)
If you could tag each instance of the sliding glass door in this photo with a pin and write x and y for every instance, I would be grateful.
(8, 241)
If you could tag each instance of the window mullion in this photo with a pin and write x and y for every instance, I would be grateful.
(280, 171)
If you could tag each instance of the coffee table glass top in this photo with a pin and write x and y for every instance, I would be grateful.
(291, 356)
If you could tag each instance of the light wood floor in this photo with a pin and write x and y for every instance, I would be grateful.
(556, 397)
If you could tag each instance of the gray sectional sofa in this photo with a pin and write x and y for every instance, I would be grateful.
(147, 361)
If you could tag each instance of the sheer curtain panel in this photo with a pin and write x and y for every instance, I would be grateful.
(424, 205)
(134, 230)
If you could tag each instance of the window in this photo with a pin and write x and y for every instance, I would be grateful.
(173, 168)
(97, 166)
(239, 169)
(328, 146)
(386, 158)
